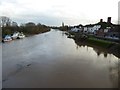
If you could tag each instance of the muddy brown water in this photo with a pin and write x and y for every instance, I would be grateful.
(51, 60)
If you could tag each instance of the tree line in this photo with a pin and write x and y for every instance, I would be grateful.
(9, 27)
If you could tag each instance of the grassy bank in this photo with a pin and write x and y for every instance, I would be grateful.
(99, 42)
(111, 47)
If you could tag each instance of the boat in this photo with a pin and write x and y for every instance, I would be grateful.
(7, 38)
(20, 36)
(15, 35)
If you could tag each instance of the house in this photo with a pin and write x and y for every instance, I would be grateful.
(107, 29)
(104, 27)
(109, 32)
(85, 30)
(100, 32)
(103, 31)
(96, 28)
(75, 29)
(88, 29)
(113, 35)
(114, 32)
(81, 28)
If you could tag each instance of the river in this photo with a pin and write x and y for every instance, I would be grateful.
(51, 60)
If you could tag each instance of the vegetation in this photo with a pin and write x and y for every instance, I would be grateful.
(62, 28)
(33, 29)
(28, 30)
(9, 27)
(99, 42)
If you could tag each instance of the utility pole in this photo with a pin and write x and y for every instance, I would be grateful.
(119, 12)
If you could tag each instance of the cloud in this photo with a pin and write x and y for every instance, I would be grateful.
(53, 12)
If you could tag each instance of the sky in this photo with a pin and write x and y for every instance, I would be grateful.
(119, 12)
(54, 12)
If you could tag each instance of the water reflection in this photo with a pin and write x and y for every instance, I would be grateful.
(114, 68)
(53, 60)
(97, 49)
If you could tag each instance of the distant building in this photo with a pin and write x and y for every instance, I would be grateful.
(62, 24)
(96, 28)
(75, 29)
(109, 20)
(107, 29)
(88, 29)
(85, 30)
(100, 32)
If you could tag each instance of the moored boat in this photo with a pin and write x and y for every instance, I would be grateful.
(7, 38)
(15, 35)
(20, 35)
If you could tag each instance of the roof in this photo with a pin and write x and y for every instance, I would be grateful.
(89, 25)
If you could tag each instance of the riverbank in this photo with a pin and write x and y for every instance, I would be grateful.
(44, 31)
(111, 47)
(27, 34)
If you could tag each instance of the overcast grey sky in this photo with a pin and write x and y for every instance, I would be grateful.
(54, 12)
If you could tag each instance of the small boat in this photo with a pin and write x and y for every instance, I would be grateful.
(15, 35)
(20, 35)
(7, 38)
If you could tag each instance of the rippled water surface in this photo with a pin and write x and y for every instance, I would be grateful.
(53, 60)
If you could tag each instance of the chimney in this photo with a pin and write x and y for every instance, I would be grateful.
(109, 20)
(101, 20)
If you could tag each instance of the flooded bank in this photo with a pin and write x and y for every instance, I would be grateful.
(51, 60)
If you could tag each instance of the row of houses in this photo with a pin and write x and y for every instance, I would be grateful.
(100, 29)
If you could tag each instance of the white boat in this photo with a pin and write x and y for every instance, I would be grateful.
(15, 35)
(20, 35)
(7, 38)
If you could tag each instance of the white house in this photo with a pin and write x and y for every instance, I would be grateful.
(81, 28)
(96, 28)
(90, 29)
(85, 30)
(75, 29)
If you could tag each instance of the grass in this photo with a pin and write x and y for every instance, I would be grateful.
(99, 42)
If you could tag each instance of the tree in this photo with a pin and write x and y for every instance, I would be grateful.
(14, 24)
(30, 24)
(5, 21)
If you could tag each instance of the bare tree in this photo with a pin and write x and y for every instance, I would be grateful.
(5, 21)
(14, 24)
